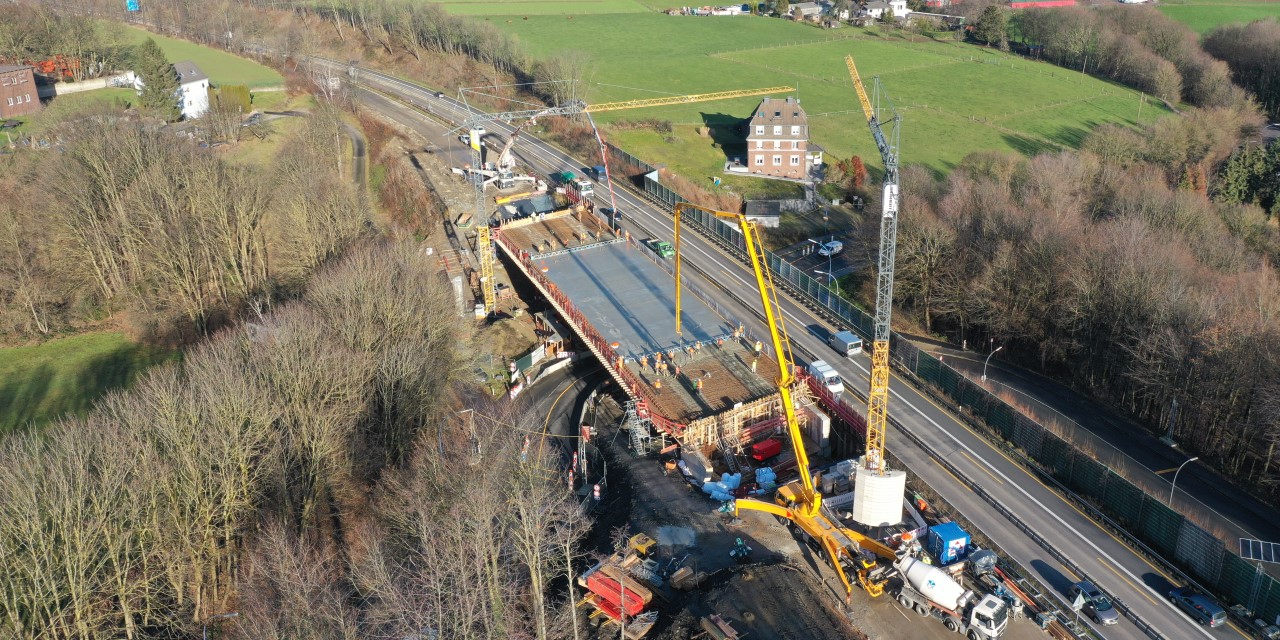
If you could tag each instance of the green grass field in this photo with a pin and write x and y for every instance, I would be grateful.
(517, 8)
(64, 376)
(221, 67)
(1203, 15)
(955, 98)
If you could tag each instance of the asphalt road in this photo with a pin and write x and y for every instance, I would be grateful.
(1107, 561)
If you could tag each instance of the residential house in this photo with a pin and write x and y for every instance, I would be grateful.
(18, 94)
(805, 11)
(192, 96)
(193, 89)
(778, 139)
(878, 8)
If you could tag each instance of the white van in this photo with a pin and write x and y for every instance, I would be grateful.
(823, 371)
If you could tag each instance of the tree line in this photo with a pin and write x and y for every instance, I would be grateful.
(1117, 269)
(305, 469)
(125, 216)
(34, 32)
(1137, 46)
(1253, 53)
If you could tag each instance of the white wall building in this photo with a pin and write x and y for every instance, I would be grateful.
(193, 89)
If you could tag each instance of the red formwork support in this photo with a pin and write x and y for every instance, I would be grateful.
(840, 409)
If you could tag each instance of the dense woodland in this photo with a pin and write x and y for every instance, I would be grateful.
(1137, 46)
(1114, 269)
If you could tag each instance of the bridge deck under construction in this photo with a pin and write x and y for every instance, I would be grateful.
(626, 296)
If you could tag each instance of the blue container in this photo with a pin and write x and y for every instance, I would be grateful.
(947, 542)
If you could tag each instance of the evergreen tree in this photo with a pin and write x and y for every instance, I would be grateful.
(992, 26)
(160, 83)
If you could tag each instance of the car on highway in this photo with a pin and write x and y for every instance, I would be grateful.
(1096, 603)
(1200, 607)
(832, 248)
(663, 248)
(439, 94)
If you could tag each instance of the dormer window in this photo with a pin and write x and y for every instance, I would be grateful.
(777, 114)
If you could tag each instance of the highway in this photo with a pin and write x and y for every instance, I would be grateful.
(1103, 558)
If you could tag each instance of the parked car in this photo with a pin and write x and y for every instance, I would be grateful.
(1200, 607)
(832, 248)
(1096, 603)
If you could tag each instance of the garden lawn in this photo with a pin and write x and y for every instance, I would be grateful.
(955, 98)
(221, 67)
(1204, 15)
(64, 376)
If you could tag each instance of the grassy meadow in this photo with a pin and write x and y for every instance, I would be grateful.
(1203, 15)
(64, 376)
(954, 97)
(221, 67)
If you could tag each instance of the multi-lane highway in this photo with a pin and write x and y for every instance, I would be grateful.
(1102, 557)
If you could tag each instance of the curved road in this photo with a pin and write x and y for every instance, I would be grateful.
(1104, 558)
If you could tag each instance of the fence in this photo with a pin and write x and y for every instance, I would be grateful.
(1145, 519)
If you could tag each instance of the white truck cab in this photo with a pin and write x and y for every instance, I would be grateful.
(825, 373)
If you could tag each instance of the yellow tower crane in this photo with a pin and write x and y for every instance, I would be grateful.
(878, 397)
(529, 116)
(799, 501)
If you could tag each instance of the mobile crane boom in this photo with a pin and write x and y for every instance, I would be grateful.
(800, 501)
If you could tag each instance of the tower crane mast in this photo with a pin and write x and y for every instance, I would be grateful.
(878, 397)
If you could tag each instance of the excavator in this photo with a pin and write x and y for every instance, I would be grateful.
(798, 502)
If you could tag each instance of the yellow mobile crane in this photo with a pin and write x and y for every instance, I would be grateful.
(799, 501)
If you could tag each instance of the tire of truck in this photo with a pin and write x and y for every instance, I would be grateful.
(950, 624)
(922, 610)
(973, 635)
(906, 602)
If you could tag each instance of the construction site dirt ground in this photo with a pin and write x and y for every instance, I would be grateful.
(787, 591)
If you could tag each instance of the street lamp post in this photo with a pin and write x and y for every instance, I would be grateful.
(1174, 484)
(832, 278)
(829, 255)
(217, 616)
(988, 361)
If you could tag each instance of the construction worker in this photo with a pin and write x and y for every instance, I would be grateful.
(644, 362)
(698, 385)
(759, 348)
(677, 371)
(753, 364)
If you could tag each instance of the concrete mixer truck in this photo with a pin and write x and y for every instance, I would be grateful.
(930, 592)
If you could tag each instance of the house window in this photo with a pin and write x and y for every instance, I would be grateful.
(777, 114)
(759, 144)
(795, 130)
(777, 161)
(28, 97)
(777, 144)
(777, 130)
(795, 161)
(759, 161)
(11, 102)
(759, 131)
(795, 145)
